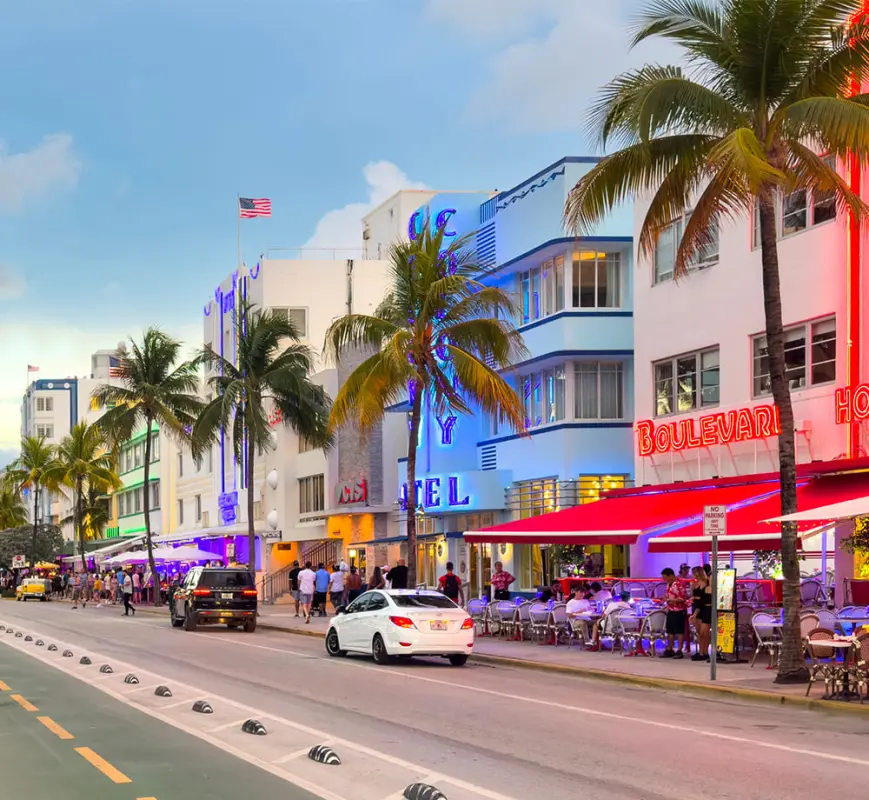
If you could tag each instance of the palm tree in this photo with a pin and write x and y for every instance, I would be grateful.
(272, 371)
(35, 471)
(154, 389)
(13, 512)
(766, 89)
(85, 466)
(439, 338)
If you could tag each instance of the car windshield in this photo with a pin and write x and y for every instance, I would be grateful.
(422, 601)
(226, 580)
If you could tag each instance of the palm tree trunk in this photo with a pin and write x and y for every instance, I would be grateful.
(78, 522)
(146, 506)
(413, 440)
(251, 532)
(792, 664)
(35, 526)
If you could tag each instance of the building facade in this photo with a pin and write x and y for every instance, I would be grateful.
(575, 312)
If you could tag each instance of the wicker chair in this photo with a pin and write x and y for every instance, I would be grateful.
(478, 609)
(822, 660)
(654, 629)
(767, 635)
(860, 668)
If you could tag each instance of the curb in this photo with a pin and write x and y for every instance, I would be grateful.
(591, 673)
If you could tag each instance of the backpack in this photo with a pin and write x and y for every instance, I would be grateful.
(451, 586)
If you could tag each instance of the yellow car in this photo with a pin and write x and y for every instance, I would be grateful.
(32, 587)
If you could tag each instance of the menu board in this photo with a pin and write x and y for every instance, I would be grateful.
(726, 589)
(726, 632)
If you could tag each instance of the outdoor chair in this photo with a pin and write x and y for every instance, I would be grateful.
(767, 636)
(822, 661)
(808, 623)
(523, 620)
(860, 667)
(558, 620)
(659, 590)
(827, 619)
(504, 612)
(477, 609)
(744, 614)
(810, 592)
(626, 627)
(539, 614)
(654, 629)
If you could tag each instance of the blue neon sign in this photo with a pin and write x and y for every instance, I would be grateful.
(414, 226)
(430, 489)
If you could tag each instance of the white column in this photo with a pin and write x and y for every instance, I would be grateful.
(843, 561)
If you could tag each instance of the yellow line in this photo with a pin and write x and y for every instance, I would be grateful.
(102, 765)
(55, 728)
(4, 687)
(26, 705)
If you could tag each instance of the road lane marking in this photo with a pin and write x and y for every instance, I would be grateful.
(4, 687)
(236, 723)
(56, 729)
(25, 704)
(112, 773)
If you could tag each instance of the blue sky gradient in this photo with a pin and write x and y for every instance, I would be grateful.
(159, 113)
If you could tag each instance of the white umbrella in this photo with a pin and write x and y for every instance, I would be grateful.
(126, 558)
(847, 509)
(185, 554)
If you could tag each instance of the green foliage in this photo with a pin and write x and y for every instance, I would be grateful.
(858, 541)
(13, 512)
(19, 541)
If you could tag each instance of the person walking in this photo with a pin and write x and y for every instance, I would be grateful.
(398, 575)
(451, 586)
(336, 587)
(137, 586)
(76, 590)
(294, 584)
(377, 580)
(307, 583)
(352, 586)
(321, 589)
(127, 589)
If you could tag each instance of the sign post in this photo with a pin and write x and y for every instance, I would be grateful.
(714, 525)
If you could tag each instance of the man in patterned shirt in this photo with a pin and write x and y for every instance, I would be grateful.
(501, 580)
(676, 599)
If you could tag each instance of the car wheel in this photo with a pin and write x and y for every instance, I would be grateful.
(333, 646)
(189, 619)
(177, 622)
(250, 626)
(459, 660)
(378, 649)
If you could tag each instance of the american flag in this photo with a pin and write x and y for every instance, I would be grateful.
(115, 370)
(31, 368)
(249, 207)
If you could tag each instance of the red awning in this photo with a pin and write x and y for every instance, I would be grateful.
(746, 529)
(619, 519)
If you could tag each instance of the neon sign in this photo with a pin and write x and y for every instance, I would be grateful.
(742, 425)
(352, 492)
(430, 489)
(852, 404)
(414, 226)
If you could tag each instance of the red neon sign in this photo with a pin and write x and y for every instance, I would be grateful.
(852, 404)
(742, 425)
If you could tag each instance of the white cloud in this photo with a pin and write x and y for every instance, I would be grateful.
(561, 53)
(8, 455)
(12, 283)
(60, 351)
(342, 228)
(32, 172)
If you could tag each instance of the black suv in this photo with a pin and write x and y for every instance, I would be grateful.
(215, 596)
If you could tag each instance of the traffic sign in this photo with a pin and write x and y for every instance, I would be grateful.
(714, 520)
(19, 562)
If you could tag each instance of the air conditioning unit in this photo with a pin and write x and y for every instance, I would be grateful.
(204, 519)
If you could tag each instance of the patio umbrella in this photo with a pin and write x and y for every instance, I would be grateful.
(187, 553)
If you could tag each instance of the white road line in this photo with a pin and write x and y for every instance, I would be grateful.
(317, 734)
(236, 723)
(297, 754)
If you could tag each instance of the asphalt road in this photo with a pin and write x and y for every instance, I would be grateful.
(475, 732)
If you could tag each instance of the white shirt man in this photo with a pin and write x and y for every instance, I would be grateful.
(578, 605)
(307, 581)
(336, 582)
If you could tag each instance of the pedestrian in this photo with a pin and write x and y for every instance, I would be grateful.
(137, 586)
(501, 581)
(701, 617)
(294, 584)
(451, 586)
(66, 585)
(353, 585)
(98, 590)
(377, 580)
(75, 580)
(115, 584)
(336, 587)
(127, 589)
(398, 575)
(676, 599)
(321, 589)
(307, 583)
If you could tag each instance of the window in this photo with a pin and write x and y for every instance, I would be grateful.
(590, 486)
(155, 447)
(810, 357)
(45, 430)
(304, 445)
(669, 240)
(155, 494)
(137, 455)
(180, 512)
(210, 459)
(541, 290)
(297, 316)
(687, 382)
(596, 280)
(529, 561)
(543, 393)
(793, 212)
(45, 404)
(599, 390)
(824, 203)
(537, 497)
(198, 506)
(181, 465)
(311, 496)
(137, 500)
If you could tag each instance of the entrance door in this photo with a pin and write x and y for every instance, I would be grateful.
(480, 558)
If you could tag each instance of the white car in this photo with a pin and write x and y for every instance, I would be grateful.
(402, 622)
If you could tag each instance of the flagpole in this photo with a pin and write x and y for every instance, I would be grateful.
(238, 227)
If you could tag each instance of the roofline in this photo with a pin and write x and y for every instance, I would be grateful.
(565, 160)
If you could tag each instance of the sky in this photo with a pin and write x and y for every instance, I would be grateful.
(131, 126)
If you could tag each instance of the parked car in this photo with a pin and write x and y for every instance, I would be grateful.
(402, 622)
(31, 588)
(215, 596)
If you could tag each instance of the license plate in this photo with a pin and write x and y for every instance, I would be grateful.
(226, 595)
(438, 626)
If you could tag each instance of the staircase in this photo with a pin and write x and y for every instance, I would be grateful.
(275, 585)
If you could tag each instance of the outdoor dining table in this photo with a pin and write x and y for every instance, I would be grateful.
(845, 645)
